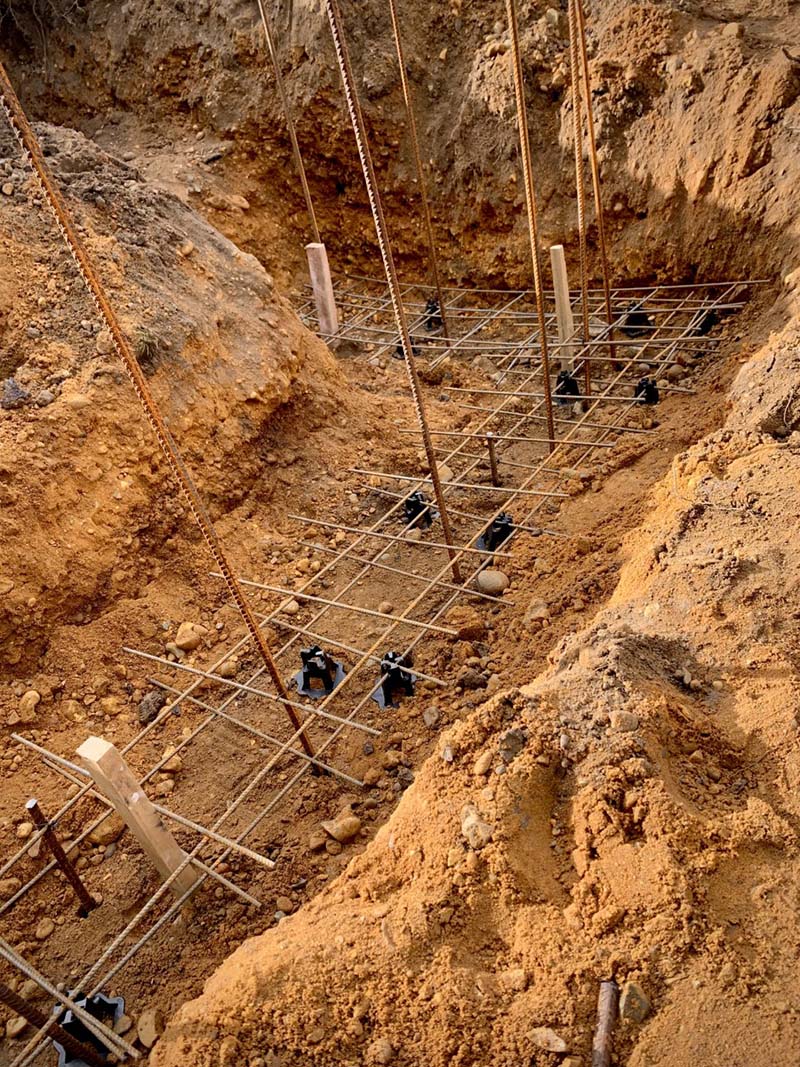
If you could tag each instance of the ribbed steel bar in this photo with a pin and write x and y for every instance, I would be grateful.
(580, 182)
(40, 820)
(32, 151)
(595, 167)
(359, 130)
(241, 687)
(452, 483)
(346, 554)
(287, 112)
(530, 200)
(330, 603)
(250, 729)
(396, 538)
(413, 136)
(78, 1051)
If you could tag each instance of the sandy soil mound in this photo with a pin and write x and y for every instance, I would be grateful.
(86, 498)
(633, 812)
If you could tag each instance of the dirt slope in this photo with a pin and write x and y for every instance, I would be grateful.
(631, 813)
(85, 491)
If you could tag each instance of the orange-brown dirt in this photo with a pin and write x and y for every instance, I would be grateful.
(641, 803)
(665, 854)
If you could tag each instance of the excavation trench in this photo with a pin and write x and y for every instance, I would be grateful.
(272, 424)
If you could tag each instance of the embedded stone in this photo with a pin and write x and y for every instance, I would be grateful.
(189, 636)
(492, 582)
(545, 1038)
(474, 828)
(633, 1004)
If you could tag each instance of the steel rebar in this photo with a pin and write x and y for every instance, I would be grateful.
(359, 130)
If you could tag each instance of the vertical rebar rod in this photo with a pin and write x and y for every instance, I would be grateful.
(595, 167)
(492, 457)
(580, 181)
(88, 903)
(359, 130)
(412, 131)
(287, 112)
(77, 1049)
(530, 199)
(607, 1001)
(33, 153)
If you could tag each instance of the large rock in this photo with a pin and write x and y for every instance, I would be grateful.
(344, 828)
(492, 582)
(8, 887)
(109, 830)
(545, 1038)
(633, 1004)
(150, 1027)
(474, 828)
(27, 706)
(189, 636)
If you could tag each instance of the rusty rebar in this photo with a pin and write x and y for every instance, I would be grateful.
(76, 1049)
(491, 444)
(595, 166)
(607, 1001)
(359, 130)
(530, 199)
(290, 126)
(65, 864)
(33, 152)
(412, 132)
(580, 180)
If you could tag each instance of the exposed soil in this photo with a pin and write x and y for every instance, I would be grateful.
(633, 756)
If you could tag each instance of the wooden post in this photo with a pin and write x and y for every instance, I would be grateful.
(321, 283)
(114, 779)
(566, 323)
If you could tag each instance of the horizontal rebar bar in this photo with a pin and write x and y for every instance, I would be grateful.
(241, 686)
(510, 437)
(397, 538)
(345, 555)
(355, 608)
(422, 480)
(254, 730)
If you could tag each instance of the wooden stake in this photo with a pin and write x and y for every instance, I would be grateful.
(114, 779)
(321, 283)
(564, 317)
